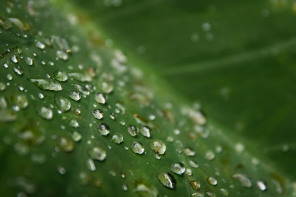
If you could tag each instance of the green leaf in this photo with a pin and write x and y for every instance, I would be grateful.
(80, 119)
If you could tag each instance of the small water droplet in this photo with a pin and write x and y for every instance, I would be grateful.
(21, 101)
(98, 153)
(3, 102)
(90, 165)
(193, 164)
(145, 131)
(75, 96)
(224, 192)
(167, 180)
(63, 103)
(61, 170)
(47, 84)
(132, 130)
(117, 138)
(210, 155)
(97, 114)
(106, 87)
(74, 123)
(137, 148)
(243, 180)
(18, 70)
(197, 194)
(211, 180)
(158, 146)
(206, 26)
(103, 129)
(124, 187)
(61, 76)
(195, 185)
(81, 77)
(189, 152)
(62, 55)
(14, 59)
(178, 168)
(29, 61)
(100, 98)
(45, 113)
(76, 136)
(66, 144)
(261, 185)
(40, 45)
(9, 77)
(2, 86)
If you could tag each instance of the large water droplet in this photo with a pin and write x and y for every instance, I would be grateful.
(75, 96)
(63, 103)
(98, 153)
(97, 114)
(61, 76)
(103, 129)
(47, 84)
(195, 185)
(45, 113)
(158, 146)
(117, 138)
(243, 180)
(167, 180)
(137, 148)
(100, 98)
(178, 168)
(145, 131)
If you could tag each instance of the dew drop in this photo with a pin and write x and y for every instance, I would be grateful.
(3, 102)
(47, 84)
(98, 153)
(75, 96)
(195, 185)
(178, 168)
(45, 113)
(66, 144)
(18, 70)
(103, 129)
(100, 98)
(62, 55)
(197, 194)
(158, 146)
(97, 114)
(21, 101)
(63, 103)
(193, 164)
(81, 77)
(90, 165)
(261, 185)
(106, 87)
(210, 155)
(2, 86)
(189, 152)
(40, 45)
(145, 131)
(14, 59)
(243, 180)
(117, 138)
(137, 148)
(124, 187)
(29, 61)
(74, 123)
(132, 130)
(224, 192)
(76, 136)
(167, 180)
(61, 170)
(61, 76)
(211, 180)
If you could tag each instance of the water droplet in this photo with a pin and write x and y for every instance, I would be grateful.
(206, 26)
(97, 114)
(18, 70)
(137, 148)
(3, 103)
(189, 152)
(7, 115)
(63, 103)
(145, 131)
(81, 77)
(212, 181)
(117, 138)
(66, 144)
(74, 123)
(197, 194)
(90, 165)
(243, 180)
(61, 170)
(261, 185)
(193, 164)
(106, 87)
(124, 187)
(167, 180)
(210, 155)
(14, 59)
(75, 96)
(47, 84)
(62, 55)
(195, 185)
(100, 98)
(76, 136)
(98, 153)
(224, 192)
(158, 146)
(21, 101)
(132, 130)
(178, 168)
(103, 129)
(2, 86)
(9, 77)
(29, 61)
(40, 45)
(45, 113)
(61, 76)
